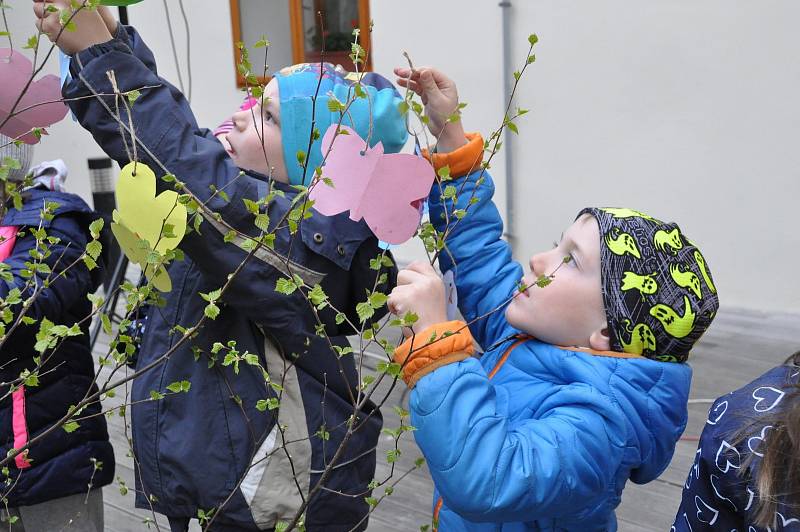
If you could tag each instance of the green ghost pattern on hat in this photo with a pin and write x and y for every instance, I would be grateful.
(657, 289)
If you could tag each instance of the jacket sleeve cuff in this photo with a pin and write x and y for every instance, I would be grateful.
(452, 343)
(462, 161)
(80, 59)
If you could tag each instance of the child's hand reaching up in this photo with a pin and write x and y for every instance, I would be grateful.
(440, 96)
(90, 29)
(419, 290)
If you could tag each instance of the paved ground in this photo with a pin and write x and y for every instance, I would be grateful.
(740, 346)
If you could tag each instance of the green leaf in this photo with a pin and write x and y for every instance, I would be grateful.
(533, 39)
(70, 426)
(95, 227)
(251, 206)
(211, 311)
(365, 311)
(133, 96)
(285, 286)
(104, 319)
(444, 172)
(33, 40)
(93, 248)
(377, 300)
(317, 295)
(179, 386)
(513, 127)
(13, 297)
(543, 280)
(334, 105)
(402, 108)
(410, 319)
(262, 221)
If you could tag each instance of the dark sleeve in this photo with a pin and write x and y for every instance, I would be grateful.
(716, 496)
(168, 133)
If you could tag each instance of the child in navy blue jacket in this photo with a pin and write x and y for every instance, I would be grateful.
(217, 446)
(57, 480)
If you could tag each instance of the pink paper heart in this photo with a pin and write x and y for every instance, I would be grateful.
(15, 71)
(383, 188)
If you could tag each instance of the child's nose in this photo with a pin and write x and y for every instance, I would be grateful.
(239, 120)
(537, 264)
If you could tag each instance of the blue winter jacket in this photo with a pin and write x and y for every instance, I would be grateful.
(218, 440)
(549, 440)
(60, 463)
(720, 492)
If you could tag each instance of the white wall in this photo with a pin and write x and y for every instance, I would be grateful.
(686, 109)
(471, 56)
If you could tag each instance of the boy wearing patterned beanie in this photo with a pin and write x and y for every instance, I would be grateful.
(223, 448)
(582, 384)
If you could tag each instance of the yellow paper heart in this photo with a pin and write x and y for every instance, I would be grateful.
(139, 221)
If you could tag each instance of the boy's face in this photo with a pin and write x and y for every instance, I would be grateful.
(569, 311)
(250, 127)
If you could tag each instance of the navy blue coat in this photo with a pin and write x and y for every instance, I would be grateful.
(720, 491)
(60, 463)
(195, 449)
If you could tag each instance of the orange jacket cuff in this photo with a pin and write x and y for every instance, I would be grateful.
(462, 161)
(428, 356)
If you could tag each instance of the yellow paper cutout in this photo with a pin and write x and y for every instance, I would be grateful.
(140, 218)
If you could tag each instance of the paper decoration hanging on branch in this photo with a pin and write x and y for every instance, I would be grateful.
(386, 189)
(32, 111)
(141, 220)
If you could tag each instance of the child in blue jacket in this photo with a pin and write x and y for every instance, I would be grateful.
(218, 446)
(582, 383)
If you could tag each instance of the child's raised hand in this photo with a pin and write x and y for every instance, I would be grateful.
(419, 290)
(440, 96)
(90, 29)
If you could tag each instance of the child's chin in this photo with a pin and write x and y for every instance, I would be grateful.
(515, 318)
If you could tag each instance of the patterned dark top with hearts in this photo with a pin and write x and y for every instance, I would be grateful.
(720, 492)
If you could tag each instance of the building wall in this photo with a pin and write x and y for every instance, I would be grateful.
(683, 109)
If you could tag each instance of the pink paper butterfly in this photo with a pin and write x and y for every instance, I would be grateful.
(15, 71)
(384, 189)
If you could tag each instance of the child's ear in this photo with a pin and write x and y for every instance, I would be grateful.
(600, 339)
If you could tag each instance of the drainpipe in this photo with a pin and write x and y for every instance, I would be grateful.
(508, 137)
